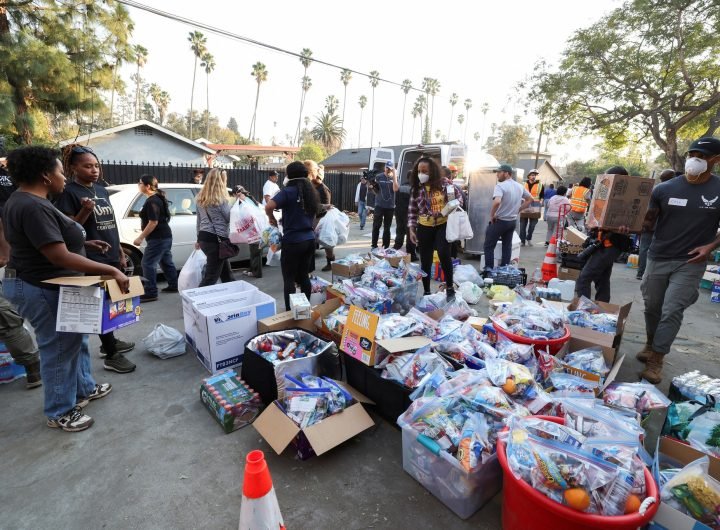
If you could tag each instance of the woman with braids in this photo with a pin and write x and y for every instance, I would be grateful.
(213, 225)
(154, 219)
(299, 203)
(45, 244)
(88, 203)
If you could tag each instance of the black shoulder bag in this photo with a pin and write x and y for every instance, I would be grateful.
(226, 249)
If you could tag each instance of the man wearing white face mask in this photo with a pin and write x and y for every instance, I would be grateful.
(687, 212)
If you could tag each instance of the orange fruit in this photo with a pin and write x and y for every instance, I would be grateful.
(577, 499)
(633, 503)
(509, 387)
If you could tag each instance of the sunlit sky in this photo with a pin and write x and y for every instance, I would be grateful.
(479, 50)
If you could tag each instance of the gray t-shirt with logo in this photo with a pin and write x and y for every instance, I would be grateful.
(511, 194)
(689, 217)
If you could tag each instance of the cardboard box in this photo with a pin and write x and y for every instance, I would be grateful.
(300, 306)
(477, 322)
(333, 293)
(667, 517)
(395, 261)
(348, 271)
(279, 431)
(231, 402)
(223, 326)
(619, 200)
(608, 340)
(95, 304)
(283, 321)
(565, 273)
(319, 313)
(609, 354)
(574, 236)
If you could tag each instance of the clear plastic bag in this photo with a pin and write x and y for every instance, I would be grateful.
(568, 385)
(642, 397)
(703, 433)
(192, 271)
(306, 406)
(466, 273)
(333, 228)
(585, 417)
(165, 342)
(589, 360)
(694, 492)
(470, 292)
(409, 369)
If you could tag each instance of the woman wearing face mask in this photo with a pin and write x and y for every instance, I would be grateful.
(430, 192)
(299, 203)
(46, 244)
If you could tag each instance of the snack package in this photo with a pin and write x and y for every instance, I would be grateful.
(428, 327)
(642, 397)
(586, 417)
(306, 406)
(474, 447)
(703, 433)
(694, 492)
(567, 385)
(549, 430)
(409, 369)
(339, 398)
(589, 360)
(430, 383)
(514, 352)
(518, 382)
(393, 325)
(529, 319)
(696, 386)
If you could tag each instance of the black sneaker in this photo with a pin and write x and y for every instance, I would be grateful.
(120, 347)
(148, 298)
(118, 363)
(100, 391)
(169, 290)
(72, 421)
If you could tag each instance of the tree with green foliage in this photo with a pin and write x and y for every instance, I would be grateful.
(332, 104)
(362, 102)
(311, 151)
(453, 101)
(233, 125)
(507, 140)
(161, 99)
(374, 80)
(120, 27)
(406, 87)
(647, 69)
(328, 131)
(208, 64)
(198, 45)
(56, 61)
(635, 158)
(306, 61)
(260, 73)
(141, 55)
(418, 109)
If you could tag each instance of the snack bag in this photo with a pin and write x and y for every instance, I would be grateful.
(694, 492)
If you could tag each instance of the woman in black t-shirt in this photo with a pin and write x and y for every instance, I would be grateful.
(154, 219)
(47, 244)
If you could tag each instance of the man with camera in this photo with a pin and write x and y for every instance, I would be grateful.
(602, 248)
(384, 186)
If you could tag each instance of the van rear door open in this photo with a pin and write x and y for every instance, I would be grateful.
(379, 156)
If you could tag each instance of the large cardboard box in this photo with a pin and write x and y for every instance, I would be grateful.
(95, 304)
(667, 517)
(347, 271)
(574, 236)
(608, 340)
(283, 321)
(319, 313)
(619, 200)
(609, 354)
(224, 325)
(565, 273)
(279, 431)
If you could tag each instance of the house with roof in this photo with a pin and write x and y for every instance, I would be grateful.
(143, 141)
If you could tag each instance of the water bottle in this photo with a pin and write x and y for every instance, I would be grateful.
(536, 276)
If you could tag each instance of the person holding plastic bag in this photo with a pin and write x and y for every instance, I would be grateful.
(299, 203)
(213, 222)
(247, 220)
(316, 174)
(432, 198)
(333, 229)
(192, 271)
(256, 265)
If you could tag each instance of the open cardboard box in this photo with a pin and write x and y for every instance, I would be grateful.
(283, 321)
(348, 271)
(667, 517)
(279, 430)
(609, 354)
(566, 273)
(602, 339)
(95, 304)
(574, 236)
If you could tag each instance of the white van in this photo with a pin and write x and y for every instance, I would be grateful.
(443, 154)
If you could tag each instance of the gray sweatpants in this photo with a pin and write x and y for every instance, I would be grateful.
(668, 288)
(19, 343)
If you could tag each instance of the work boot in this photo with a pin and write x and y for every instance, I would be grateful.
(644, 354)
(653, 368)
(328, 267)
(33, 379)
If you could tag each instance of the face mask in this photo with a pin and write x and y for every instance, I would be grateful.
(423, 177)
(695, 166)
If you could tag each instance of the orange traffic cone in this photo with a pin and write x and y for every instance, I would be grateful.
(549, 266)
(259, 509)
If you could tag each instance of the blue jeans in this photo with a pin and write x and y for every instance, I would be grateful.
(499, 230)
(158, 251)
(64, 357)
(362, 212)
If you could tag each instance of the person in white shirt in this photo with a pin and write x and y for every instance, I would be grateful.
(270, 188)
(552, 212)
(361, 193)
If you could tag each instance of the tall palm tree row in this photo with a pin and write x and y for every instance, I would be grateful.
(208, 64)
(453, 101)
(362, 102)
(305, 60)
(420, 106)
(260, 73)
(427, 88)
(198, 45)
(405, 87)
(345, 77)
(468, 105)
(374, 80)
(141, 55)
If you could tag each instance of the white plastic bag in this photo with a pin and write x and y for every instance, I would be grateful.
(192, 272)
(333, 229)
(466, 273)
(458, 226)
(470, 292)
(165, 342)
(273, 258)
(247, 222)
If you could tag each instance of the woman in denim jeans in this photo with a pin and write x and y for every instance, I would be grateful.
(213, 226)
(154, 221)
(47, 244)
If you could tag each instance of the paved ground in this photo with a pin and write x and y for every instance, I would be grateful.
(156, 459)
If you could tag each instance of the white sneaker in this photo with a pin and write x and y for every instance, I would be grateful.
(72, 421)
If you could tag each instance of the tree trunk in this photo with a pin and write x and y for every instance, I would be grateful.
(137, 93)
(402, 123)
(344, 104)
(207, 107)
(452, 109)
(112, 93)
(360, 127)
(372, 119)
(253, 123)
(23, 121)
(412, 133)
(192, 96)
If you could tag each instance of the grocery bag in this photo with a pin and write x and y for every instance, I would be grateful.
(458, 226)
(333, 229)
(273, 258)
(165, 342)
(247, 222)
(192, 272)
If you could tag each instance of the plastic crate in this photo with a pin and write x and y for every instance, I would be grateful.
(511, 280)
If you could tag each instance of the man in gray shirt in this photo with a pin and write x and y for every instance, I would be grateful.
(507, 203)
(687, 212)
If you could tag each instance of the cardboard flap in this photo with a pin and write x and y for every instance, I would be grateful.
(403, 344)
(338, 428)
(75, 281)
(612, 374)
(276, 428)
(361, 398)
(136, 289)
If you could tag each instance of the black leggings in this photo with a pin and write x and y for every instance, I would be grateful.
(294, 263)
(430, 239)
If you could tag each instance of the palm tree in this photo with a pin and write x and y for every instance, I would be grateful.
(468, 105)
(161, 100)
(328, 131)
(405, 87)
(362, 102)
(141, 55)
(208, 63)
(416, 111)
(484, 109)
(476, 136)
(427, 88)
(198, 43)
(305, 60)
(438, 134)
(260, 73)
(120, 26)
(421, 106)
(453, 102)
(374, 80)
(331, 104)
(345, 77)
(461, 118)
(434, 89)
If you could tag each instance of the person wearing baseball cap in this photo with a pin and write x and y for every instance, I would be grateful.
(685, 212)
(385, 187)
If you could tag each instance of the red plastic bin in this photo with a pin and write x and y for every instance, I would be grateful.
(526, 508)
(541, 345)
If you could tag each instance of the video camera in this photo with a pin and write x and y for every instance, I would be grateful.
(591, 245)
(371, 176)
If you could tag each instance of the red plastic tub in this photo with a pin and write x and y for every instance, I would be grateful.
(541, 345)
(526, 508)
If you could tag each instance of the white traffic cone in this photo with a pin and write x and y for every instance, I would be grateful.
(259, 509)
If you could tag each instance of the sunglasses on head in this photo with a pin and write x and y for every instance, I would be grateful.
(80, 149)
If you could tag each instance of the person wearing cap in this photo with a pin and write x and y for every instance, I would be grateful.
(509, 197)
(384, 188)
(361, 192)
(647, 235)
(270, 188)
(529, 217)
(255, 270)
(685, 212)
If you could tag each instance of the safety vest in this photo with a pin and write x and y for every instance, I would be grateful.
(577, 199)
(534, 191)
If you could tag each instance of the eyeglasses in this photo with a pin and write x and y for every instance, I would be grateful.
(82, 149)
